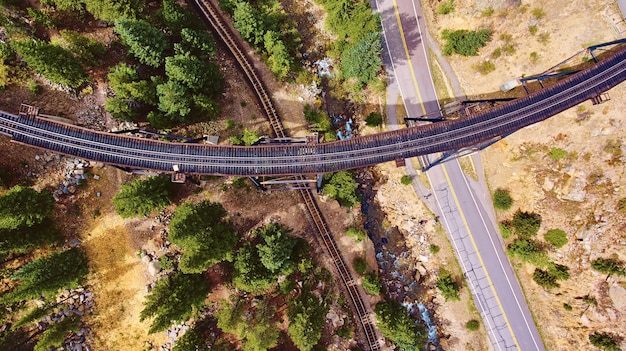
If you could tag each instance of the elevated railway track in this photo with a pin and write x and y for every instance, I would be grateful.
(315, 158)
(318, 158)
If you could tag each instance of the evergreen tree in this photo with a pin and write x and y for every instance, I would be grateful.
(142, 196)
(47, 275)
(609, 266)
(251, 325)
(250, 274)
(363, 60)
(55, 63)
(307, 315)
(196, 227)
(276, 250)
(396, 325)
(174, 299)
(198, 75)
(145, 42)
(24, 207)
(196, 42)
(23, 238)
(342, 187)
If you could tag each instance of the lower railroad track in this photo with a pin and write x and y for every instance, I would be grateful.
(363, 313)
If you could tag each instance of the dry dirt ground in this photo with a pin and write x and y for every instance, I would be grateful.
(578, 193)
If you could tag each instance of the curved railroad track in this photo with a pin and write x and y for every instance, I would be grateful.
(330, 157)
(315, 215)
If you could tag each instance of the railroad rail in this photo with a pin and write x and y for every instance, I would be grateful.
(315, 215)
(325, 157)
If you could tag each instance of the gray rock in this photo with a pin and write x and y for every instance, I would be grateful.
(154, 267)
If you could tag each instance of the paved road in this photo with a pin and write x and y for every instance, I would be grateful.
(466, 218)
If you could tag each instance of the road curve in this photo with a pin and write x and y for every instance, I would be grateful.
(318, 158)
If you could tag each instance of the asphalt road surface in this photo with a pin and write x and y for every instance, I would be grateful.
(464, 213)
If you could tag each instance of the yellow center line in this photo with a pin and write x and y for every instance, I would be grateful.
(480, 258)
(408, 56)
(445, 172)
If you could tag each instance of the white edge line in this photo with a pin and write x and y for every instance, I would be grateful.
(501, 265)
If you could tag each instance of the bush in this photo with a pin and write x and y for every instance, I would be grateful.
(609, 266)
(556, 237)
(371, 284)
(360, 265)
(621, 205)
(526, 224)
(505, 229)
(446, 7)
(363, 60)
(434, 249)
(472, 325)
(545, 279)
(464, 42)
(557, 153)
(538, 13)
(502, 199)
(342, 187)
(448, 287)
(567, 307)
(406, 180)
(358, 234)
(485, 67)
(529, 251)
(374, 119)
(604, 341)
(532, 29)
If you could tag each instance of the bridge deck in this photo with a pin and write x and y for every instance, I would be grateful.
(319, 158)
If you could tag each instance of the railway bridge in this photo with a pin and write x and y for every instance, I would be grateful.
(293, 159)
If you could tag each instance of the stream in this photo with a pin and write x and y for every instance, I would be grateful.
(396, 266)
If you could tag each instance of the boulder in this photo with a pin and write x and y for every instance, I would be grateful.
(154, 267)
(617, 293)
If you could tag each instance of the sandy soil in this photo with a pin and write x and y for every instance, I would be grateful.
(593, 169)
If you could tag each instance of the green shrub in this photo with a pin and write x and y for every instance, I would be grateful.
(464, 42)
(488, 12)
(371, 284)
(374, 119)
(472, 325)
(496, 53)
(406, 180)
(604, 341)
(590, 300)
(538, 13)
(448, 287)
(567, 307)
(609, 266)
(557, 153)
(502, 199)
(532, 29)
(556, 237)
(434, 249)
(534, 57)
(360, 265)
(485, 67)
(505, 229)
(529, 251)
(446, 7)
(166, 263)
(358, 234)
(342, 187)
(34, 87)
(526, 224)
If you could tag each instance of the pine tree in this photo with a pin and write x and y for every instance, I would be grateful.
(24, 207)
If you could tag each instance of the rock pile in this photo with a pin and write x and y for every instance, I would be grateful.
(74, 173)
